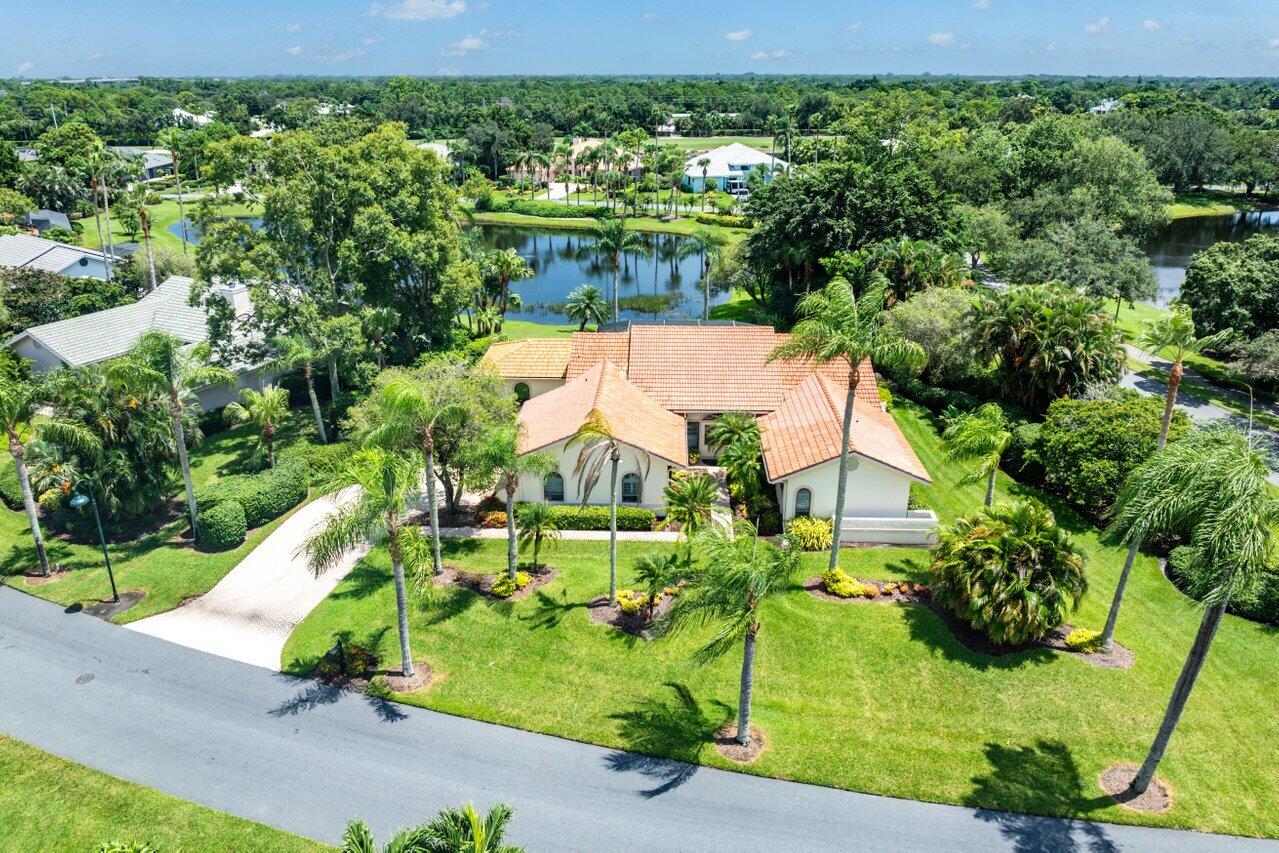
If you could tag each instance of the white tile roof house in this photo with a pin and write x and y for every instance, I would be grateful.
(103, 335)
(25, 251)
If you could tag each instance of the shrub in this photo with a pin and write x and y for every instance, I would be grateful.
(1084, 640)
(865, 590)
(886, 396)
(809, 534)
(935, 399)
(724, 220)
(1260, 602)
(505, 587)
(495, 519)
(263, 496)
(530, 207)
(221, 526)
(213, 422)
(10, 488)
(837, 582)
(350, 660)
(596, 518)
(1021, 459)
(1009, 571)
(491, 503)
(319, 460)
(631, 602)
(1089, 447)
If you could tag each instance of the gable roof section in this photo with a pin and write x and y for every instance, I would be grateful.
(806, 431)
(533, 358)
(590, 348)
(91, 338)
(25, 250)
(636, 420)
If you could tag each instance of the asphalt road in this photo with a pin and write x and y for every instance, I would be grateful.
(307, 758)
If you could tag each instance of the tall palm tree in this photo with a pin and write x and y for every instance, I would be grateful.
(266, 410)
(736, 574)
(612, 240)
(1173, 335)
(296, 351)
(708, 244)
(704, 163)
(600, 445)
(172, 138)
(144, 219)
(388, 484)
(980, 436)
(1213, 484)
(840, 327)
(586, 304)
(501, 451)
(164, 363)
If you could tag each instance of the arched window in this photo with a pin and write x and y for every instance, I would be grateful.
(521, 392)
(553, 487)
(631, 489)
(804, 502)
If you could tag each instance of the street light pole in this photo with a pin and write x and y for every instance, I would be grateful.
(80, 500)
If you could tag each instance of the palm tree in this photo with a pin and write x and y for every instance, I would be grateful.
(461, 830)
(144, 220)
(501, 451)
(1213, 484)
(265, 409)
(162, 362)
(1173, 334)
(612, 240)
(840, 327)
(586, 304)
(689, 500)
(501, 268)
(980, 436)
(736, 575)
(705, 164)
(296, 351)
(708, 244)
(172, 139)
(388, 484)
(537, 524)
(730, 428)
(599, 444)
(655, 571)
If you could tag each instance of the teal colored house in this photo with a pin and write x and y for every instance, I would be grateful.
(728, 167)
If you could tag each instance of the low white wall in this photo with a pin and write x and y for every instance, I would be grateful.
(919, 528)
(217, 396)
(651, 489)
(535, 386)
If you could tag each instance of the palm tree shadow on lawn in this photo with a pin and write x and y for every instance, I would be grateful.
(547, 611)
(677, 726)
(1042, 778)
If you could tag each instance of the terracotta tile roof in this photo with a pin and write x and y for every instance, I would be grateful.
(534, 358)
(590, 348)
(635, 419)
(806, 431)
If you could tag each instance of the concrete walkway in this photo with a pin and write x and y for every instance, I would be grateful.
(568, 535)
(307, 758)
(249, 615)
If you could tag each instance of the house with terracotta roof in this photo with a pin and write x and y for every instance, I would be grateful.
(661, 386)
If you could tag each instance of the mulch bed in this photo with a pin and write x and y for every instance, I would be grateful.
(395, 680)
(726, 746)
(373, 680)
(483, 583)
(57, 572)
(1118, 657)
(610, 614)
(817, 590)
(1117, 778)
(107, 609)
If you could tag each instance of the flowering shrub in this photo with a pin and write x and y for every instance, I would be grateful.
(505, 587)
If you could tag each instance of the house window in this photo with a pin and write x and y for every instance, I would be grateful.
(631, 489)
(553, 487)
(521, 392)
(692, 430)
(804, 502)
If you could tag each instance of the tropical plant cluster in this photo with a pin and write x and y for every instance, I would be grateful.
(809, 534)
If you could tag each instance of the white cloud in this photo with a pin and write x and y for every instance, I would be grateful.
(419, 10)
(96, 55)
(981, 5)
(762, 55)
(942, 39)
(1099, 27)
(737, 35)
(651, 16)
(368, 40)
(447, 72)
(854, 27)
(25, 67)
(1273, 44)
(290, 28)
(467, 45)
(1151, 25)
(323, 55)
(1051, 47)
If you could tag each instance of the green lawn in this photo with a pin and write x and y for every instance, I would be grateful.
(163, 215)
(1209, 204)
(161, 563)
(48, 803)
(863, 696)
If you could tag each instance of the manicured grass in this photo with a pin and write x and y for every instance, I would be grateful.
(48, 803)
(870, 697)
(1209, 204)
(163, 215)
(706, 143)
(162, 563)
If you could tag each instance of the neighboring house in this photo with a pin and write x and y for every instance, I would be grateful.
(439, 149)
(28, 155)
(43, 220)
(1109, 105)
(729, 168)
(103, 335)
(25, 251)
(661, 386)
(155, 163)
(181, 116)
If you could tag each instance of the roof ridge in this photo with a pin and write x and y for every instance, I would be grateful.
(599, 385)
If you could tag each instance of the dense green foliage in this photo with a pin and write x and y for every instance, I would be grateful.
(596, 517)
(221, 526)
(33, 297)
(265, 495)
(1259, 603)
(1235, 286)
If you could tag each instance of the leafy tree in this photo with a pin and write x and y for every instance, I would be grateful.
(1046, 342)
(837, 327)
(34, 297)
(585, 304)
(266, 410)
(13, 205)
(984, 231)
(163, 362)
(1258, 359)
(1235, 286)
(979, 436)
(1112, 183)
(1213, 484)
(689, 500)
(612, 240)
(387, 484)
(501, 449)
(1009, 571)
(537, 525)
(735, 575)
(10, 165)
(938, 321)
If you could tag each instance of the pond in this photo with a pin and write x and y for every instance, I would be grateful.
(659, 285)
(193, 230)
(1171, 249)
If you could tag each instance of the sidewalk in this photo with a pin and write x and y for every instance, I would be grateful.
(569, 535)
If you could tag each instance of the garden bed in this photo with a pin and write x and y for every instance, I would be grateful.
(628, 623)
(726, 744)
(482, 582)
(355, 668)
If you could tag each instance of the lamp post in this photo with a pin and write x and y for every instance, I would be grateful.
(79, 500)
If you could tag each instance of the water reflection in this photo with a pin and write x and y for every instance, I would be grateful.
(1171, 249)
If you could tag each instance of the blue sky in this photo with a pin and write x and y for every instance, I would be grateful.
(51, 38)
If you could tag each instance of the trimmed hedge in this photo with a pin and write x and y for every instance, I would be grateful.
(724, 220)
(549, 209)
(221, 526)
(1260, 603)
(319, 460)
(10, 488)
(596, 518)
(264, 496)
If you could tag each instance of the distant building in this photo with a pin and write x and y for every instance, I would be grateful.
(729, 168)
(181, 116)
(1107, 106)
(28, 155)
(23, 251)
(43, 220)
(155, 163)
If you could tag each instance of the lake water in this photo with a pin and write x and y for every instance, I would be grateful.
(193, 231)
(658, 285)
(1171, 249)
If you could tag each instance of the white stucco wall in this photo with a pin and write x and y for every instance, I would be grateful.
(650, 492)
(91, 268)
(535, 386)
(217, 396)
(32, 350)
(872, 491)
